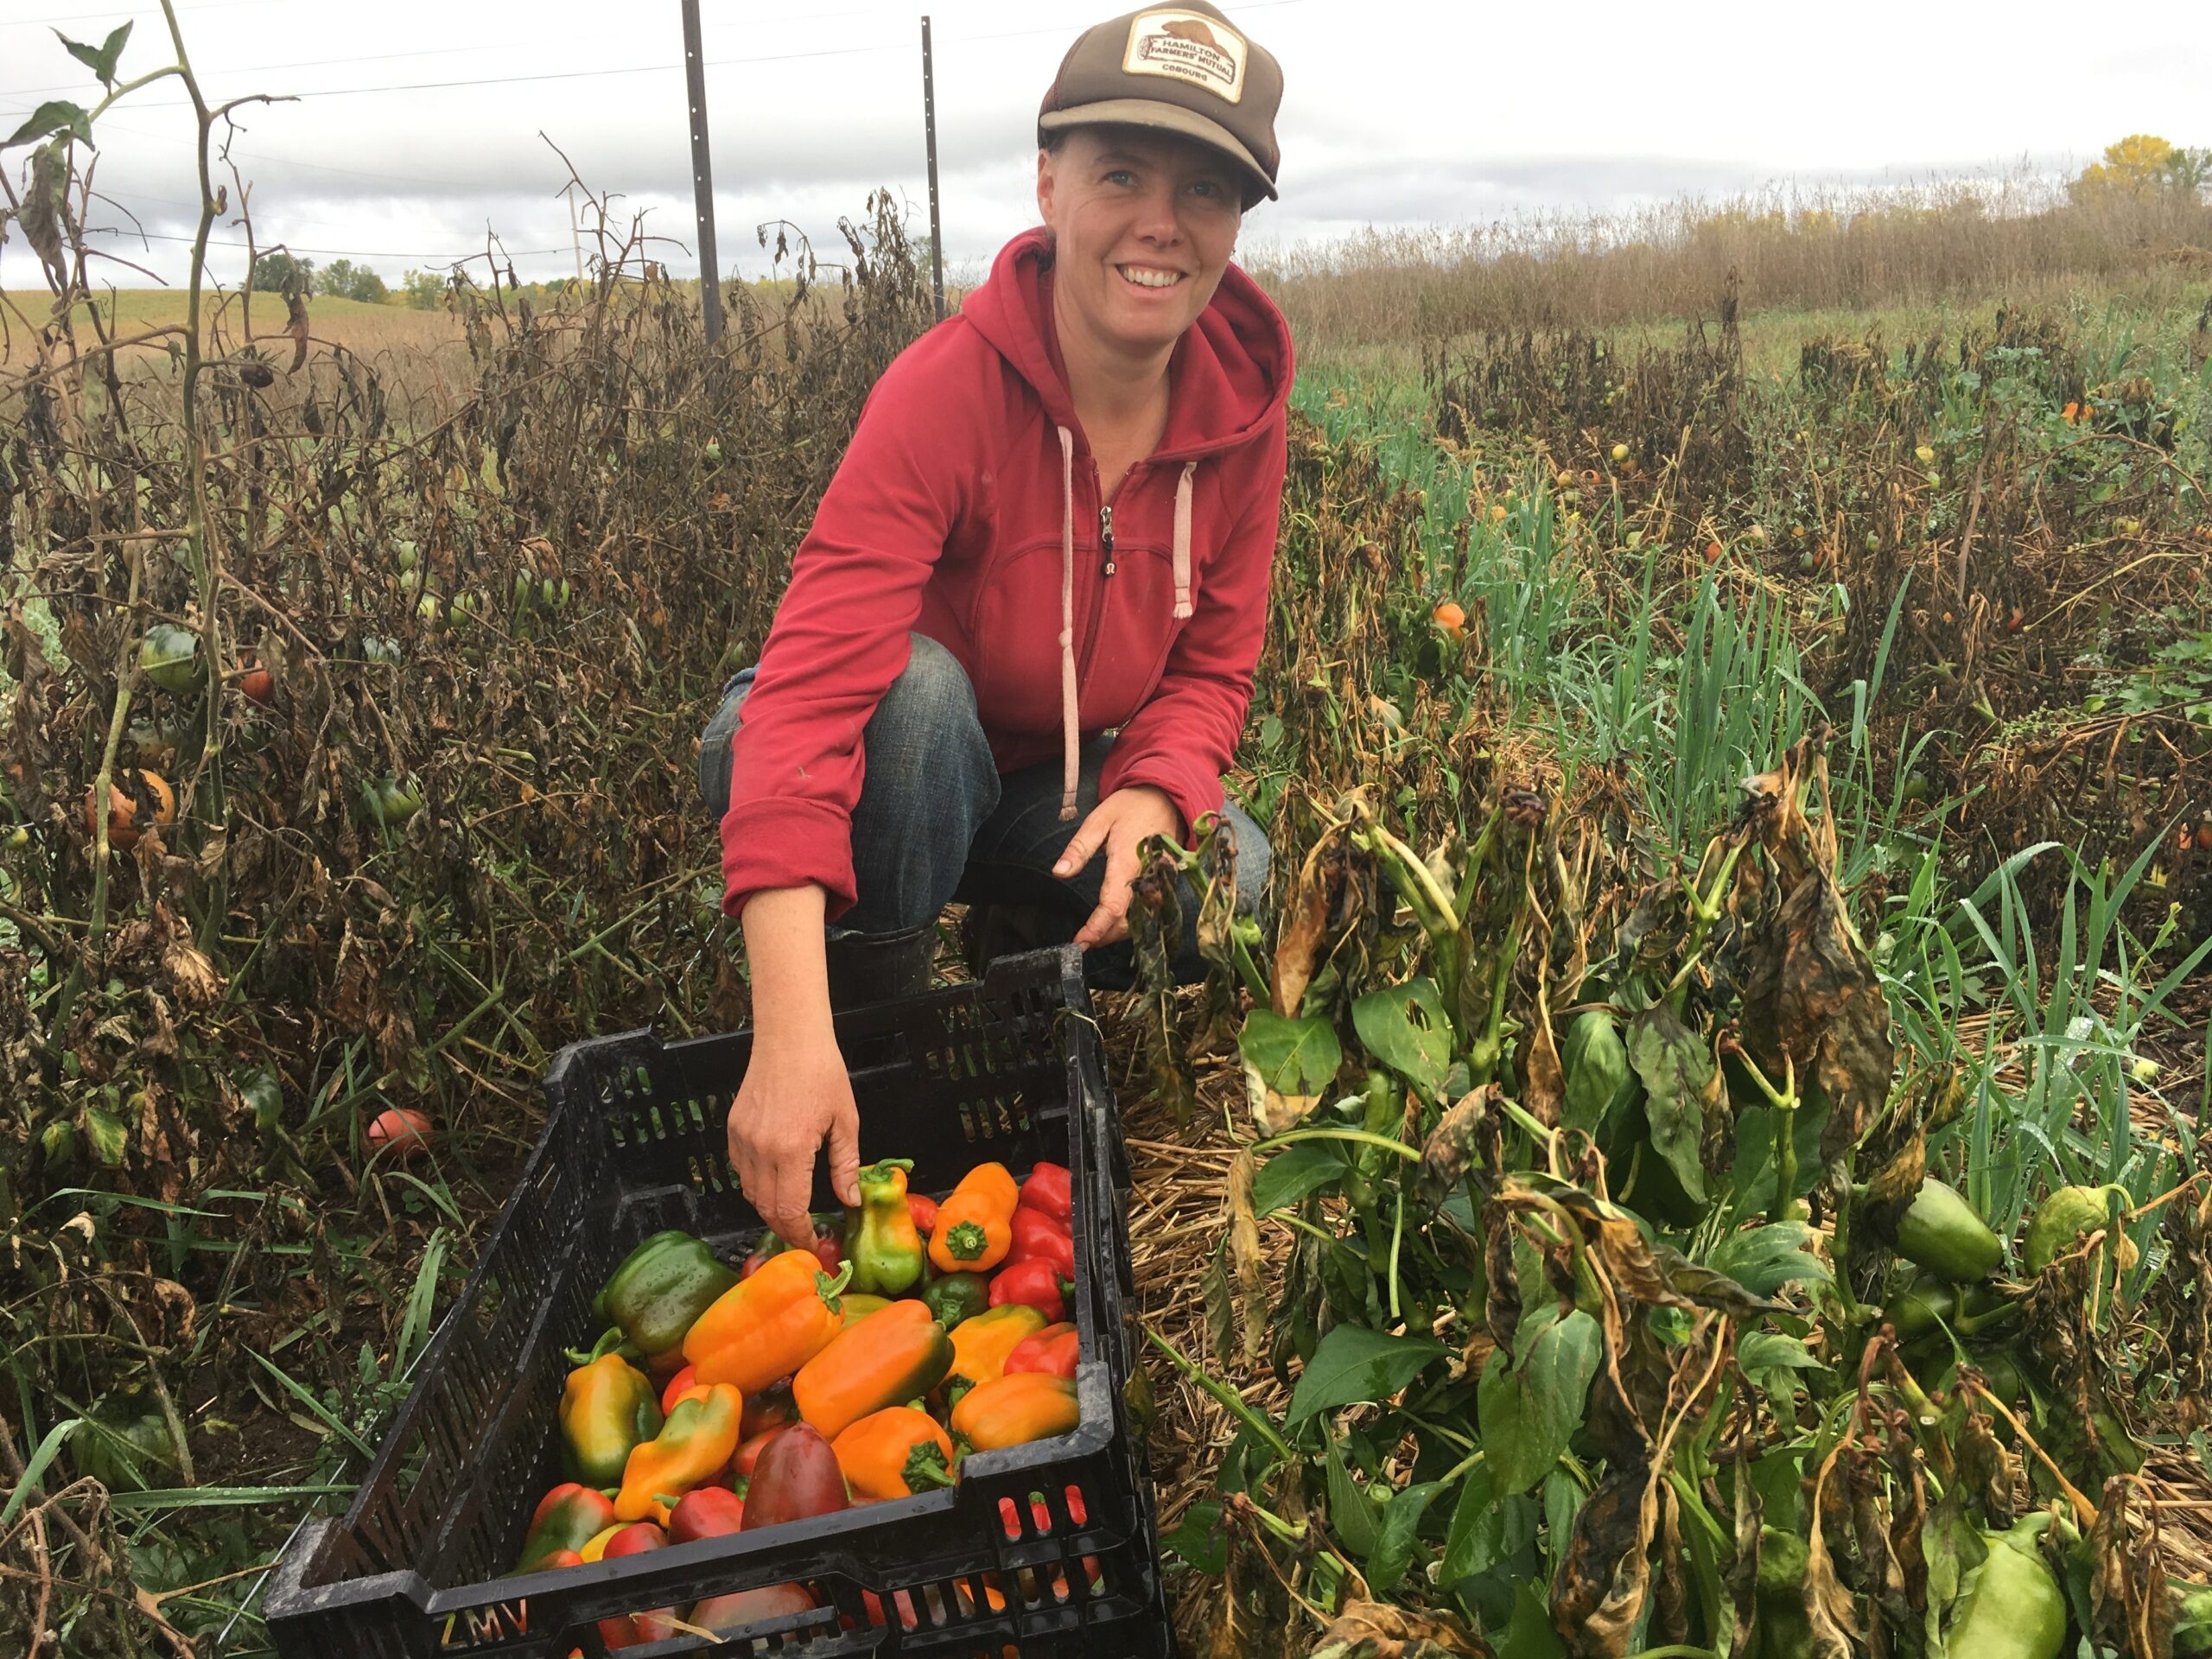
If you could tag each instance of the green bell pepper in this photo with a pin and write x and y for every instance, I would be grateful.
(661, 1287)
(1942, 1233)
(954, 1297)
(2011, 1606)
(880, 1238)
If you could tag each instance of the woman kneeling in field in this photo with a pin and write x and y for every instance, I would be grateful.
(1020, 633)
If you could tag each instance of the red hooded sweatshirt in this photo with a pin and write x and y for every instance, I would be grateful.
(967, 508)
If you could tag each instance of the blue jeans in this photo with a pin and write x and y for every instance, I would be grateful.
(937, 823)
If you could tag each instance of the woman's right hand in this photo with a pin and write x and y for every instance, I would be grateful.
(797, 1093)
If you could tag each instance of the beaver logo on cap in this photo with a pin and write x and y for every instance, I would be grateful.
(1182, 46)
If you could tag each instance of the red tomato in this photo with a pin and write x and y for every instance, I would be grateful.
(401, 1129)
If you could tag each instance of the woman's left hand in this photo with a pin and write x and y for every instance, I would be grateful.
(1119, 824)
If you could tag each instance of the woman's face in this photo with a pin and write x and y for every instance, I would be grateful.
(1143, 225)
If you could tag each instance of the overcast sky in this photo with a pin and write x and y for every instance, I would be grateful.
(417, 123)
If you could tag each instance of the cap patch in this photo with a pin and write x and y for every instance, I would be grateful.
(1187, 46)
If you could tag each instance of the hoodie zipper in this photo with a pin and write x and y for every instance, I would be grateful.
(1108, 565)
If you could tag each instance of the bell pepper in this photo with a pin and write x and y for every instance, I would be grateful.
(678, 1386)
(633, 1630)
(771, 1408)
(1940, 1232)
(607, 1407)
(826, 1249)
(957, 1296)
(891, 1356)
(692, 1446)
(660, 1288)
(768, 1326)
(729, 1613)
(895, 1452)
(858, 1307)
(1035, 1282)
(797, 1476)
(706, 1512)
(923, 1209)
(1015, 1410)
(2067, 1216)
(880, 1240)
(1051, 1351)
(980, 1345)
(749, 1450)
(2011, 1606)
(1010, 1517)
(566, 1519)
(975, 1225)
(1037, 1237)
(1046, 1190)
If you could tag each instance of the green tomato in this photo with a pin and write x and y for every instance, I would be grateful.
(170, 656)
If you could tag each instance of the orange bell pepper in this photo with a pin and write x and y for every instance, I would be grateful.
(975, 1225)
(1015, 1410)
(692, 1447)
(768, 1326)
(892, 1356)
(980, 1345)
(895, 1452)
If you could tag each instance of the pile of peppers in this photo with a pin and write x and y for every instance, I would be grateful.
(807, 1381)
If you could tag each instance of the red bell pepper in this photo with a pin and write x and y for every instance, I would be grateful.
(1010, 1518)
(633, 1630)
(1052, 1350)
(1046, 1190)
(748, 1453)
(726, 1614)
(829, 1251)
(923, 1209)
(1034, 1283)
(676, 1384)
(797, 1475)
(1036, 1234)
(705, 1512)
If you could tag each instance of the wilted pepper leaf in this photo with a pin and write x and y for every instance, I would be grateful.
(1678, 1071)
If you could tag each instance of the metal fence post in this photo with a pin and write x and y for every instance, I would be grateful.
(702, 176)
(929, 127)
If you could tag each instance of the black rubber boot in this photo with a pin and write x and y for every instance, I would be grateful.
(867, 967)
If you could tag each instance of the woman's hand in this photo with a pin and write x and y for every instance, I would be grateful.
(797, 1093)
(1119, 824)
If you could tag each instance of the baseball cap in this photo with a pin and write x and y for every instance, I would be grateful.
(1184, 69)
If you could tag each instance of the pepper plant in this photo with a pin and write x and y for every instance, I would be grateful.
(1621, 1311)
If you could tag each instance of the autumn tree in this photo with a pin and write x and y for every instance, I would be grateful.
(2144, 166)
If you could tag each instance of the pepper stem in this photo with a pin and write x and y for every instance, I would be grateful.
(829, 1289)
(966, 1241)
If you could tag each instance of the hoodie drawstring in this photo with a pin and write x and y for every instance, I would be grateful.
(1071, 745)
(1183, 541)
(1068, 740)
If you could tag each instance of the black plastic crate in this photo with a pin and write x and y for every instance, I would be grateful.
(1008, 1069)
